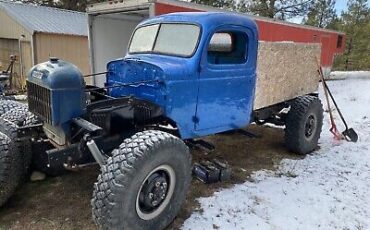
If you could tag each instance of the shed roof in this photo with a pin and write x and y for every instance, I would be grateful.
(46, 19)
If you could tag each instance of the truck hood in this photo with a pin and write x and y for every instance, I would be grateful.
(149, 72)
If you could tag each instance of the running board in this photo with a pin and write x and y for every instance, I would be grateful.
(200, 144)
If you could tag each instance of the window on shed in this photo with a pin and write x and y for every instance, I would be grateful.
(227, 48)
(315, 37)
(339, 41)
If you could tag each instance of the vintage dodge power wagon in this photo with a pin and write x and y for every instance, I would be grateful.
(185, 76)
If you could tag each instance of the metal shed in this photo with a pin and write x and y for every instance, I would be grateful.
(35, 33)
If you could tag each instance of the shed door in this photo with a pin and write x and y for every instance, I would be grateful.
(226, 82)
(26, 60)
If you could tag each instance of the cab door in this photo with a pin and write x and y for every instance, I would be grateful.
(226, 80)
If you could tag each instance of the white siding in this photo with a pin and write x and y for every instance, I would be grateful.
(109, 40)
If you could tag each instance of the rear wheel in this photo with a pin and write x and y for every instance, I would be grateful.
(144, 183)
(303, 124)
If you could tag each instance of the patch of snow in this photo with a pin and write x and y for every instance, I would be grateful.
(328, 189)
(349, 74)
(20, 97)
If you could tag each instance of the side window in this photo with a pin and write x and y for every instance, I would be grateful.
(228, 48)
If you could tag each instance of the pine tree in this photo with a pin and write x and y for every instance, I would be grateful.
(224, 4)
(321, 14)
(356, 24)
(77, 5)
(280, 9)
(357, 13)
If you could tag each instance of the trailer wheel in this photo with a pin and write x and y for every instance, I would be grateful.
(8, 177)
(303, 124)
(6, 105)
(144, 183)
(16, 115)
(20, 116)
(20, 149)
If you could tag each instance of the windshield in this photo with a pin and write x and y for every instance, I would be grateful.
(171, 38)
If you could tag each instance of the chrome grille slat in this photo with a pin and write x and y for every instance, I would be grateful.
(39, 101)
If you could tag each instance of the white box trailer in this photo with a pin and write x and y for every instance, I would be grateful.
(285, 69)
(111, 24)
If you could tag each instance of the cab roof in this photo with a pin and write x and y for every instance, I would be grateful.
(205, 19)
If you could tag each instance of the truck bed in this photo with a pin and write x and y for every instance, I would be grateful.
(285, 70)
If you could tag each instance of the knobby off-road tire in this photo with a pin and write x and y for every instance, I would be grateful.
(19, 116)
(31, 119)
(132, 169)
(304, 124)
(8, 182)
(6, 105)
(21, 149)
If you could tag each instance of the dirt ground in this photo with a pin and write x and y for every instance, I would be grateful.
(64, 202)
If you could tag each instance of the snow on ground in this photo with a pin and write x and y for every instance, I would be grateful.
(349, 74)
(329, 189)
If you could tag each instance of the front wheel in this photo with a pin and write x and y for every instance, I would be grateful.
(143, 184)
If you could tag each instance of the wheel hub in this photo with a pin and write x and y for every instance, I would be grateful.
(310, 126)
(154, 191)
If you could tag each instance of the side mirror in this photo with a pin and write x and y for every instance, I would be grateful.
(220, 42)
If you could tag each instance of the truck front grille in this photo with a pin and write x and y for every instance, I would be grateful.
(39, 101)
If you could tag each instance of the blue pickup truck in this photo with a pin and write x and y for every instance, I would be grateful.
(185, 76)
